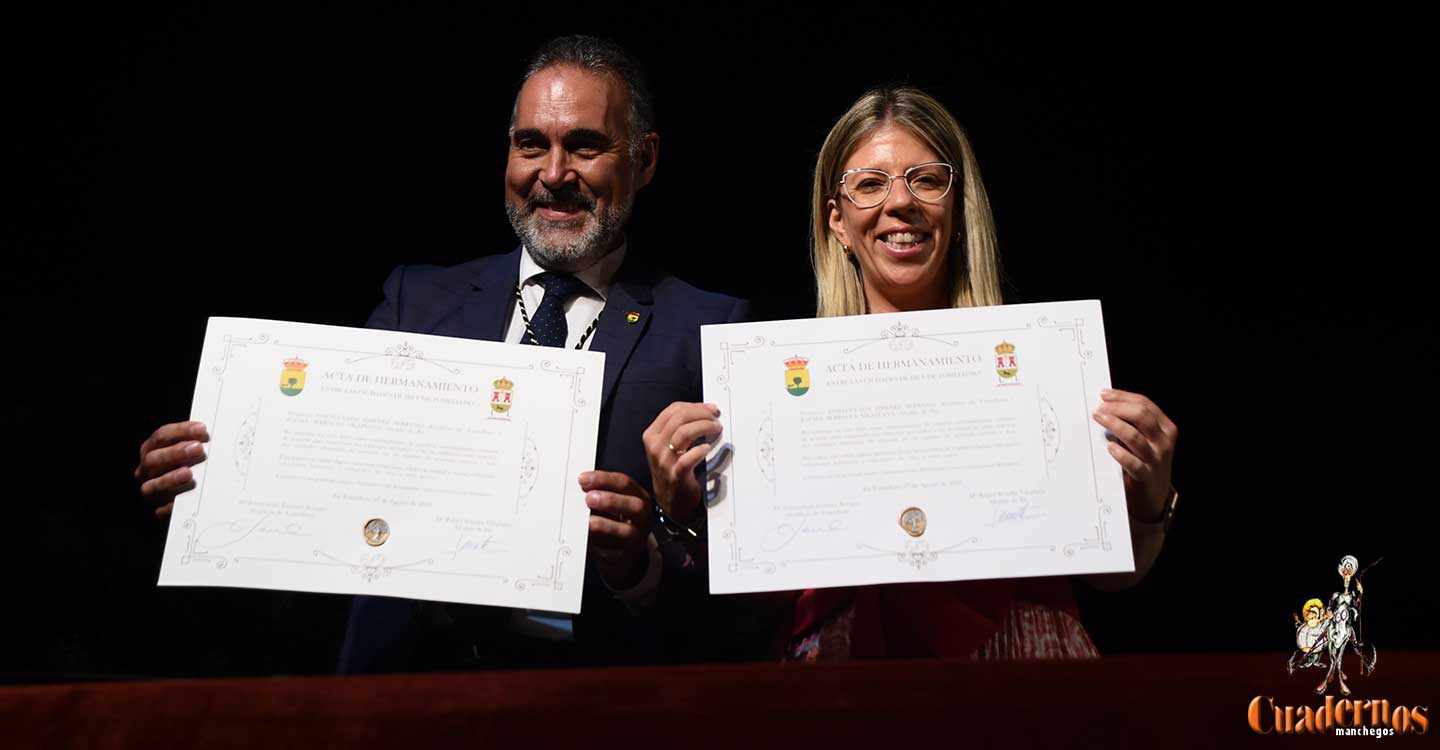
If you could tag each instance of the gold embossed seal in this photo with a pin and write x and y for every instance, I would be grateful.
(376, 532)
(912, 520)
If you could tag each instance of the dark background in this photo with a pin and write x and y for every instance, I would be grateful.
(1231, 186)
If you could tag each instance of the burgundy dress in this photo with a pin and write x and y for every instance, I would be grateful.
(1023, 618)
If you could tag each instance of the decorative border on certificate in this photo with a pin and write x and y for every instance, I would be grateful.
(374, 566)
(916, 554)
(898, 336)
(1076, 328)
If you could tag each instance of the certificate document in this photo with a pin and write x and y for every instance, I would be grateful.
(928, 446)
(360, 461)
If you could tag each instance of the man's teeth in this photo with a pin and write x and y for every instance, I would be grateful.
(899, 239)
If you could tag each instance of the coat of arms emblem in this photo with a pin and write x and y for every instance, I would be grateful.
(501, 395)
(797, 375)
(1006, 365)
(292, 378)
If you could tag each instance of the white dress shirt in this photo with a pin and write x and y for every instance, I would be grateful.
(580, 311)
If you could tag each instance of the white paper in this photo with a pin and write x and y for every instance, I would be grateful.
(358, 461)
(977, 421)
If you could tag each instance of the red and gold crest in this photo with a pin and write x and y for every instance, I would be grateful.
(1006, 364)
(502, 394)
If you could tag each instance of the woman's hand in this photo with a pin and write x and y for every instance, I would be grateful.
(668, 443)
(1143, 443)
(1142, 440)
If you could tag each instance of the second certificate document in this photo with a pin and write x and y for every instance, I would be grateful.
(926, 446)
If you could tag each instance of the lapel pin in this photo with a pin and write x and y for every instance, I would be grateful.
(632, 318)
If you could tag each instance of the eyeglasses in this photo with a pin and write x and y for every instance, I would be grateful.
(868, 188)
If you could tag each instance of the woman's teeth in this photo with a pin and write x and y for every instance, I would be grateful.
(902, 240)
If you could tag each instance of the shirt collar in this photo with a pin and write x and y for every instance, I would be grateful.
(598, 276)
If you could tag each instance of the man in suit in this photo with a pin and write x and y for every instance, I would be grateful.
(582, 143)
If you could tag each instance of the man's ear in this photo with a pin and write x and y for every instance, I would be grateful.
(645, 158)
(837, 222)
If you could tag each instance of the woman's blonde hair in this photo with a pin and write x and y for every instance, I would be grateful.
(973, 262)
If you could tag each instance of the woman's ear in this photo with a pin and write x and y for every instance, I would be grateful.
(960, 252)
(837, 223)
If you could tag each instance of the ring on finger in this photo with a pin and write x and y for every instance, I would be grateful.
(675, 450)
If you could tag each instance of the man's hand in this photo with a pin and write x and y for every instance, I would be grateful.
(1143, 443)
(620, 521)
(165, 461)
(672, 459)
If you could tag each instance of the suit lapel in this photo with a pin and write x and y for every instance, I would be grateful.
(492, 292)
(630, 294)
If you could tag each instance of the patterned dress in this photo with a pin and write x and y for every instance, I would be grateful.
(977, 620)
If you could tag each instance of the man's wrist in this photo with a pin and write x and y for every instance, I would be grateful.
(627, 579)
(645, 581)
(669, 529)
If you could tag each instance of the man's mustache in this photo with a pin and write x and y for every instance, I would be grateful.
(562, 199)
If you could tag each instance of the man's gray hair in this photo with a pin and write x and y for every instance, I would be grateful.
(601, 57)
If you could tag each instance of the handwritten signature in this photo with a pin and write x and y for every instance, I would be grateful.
(289, 529)
(230, 532)
(786, 533)
(1023, 513)
(466, 544)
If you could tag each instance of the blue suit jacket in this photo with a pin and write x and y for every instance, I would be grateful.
(648, 364)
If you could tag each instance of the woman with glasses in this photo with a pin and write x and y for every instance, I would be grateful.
(900, 221)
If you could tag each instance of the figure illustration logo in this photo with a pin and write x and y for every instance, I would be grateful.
(292, 378)
(1006, 365)
(501, 398)
(797, 375)
(1323, 632)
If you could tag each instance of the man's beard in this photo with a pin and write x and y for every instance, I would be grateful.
(601, 233)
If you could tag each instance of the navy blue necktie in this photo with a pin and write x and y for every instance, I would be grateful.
(548, 322)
